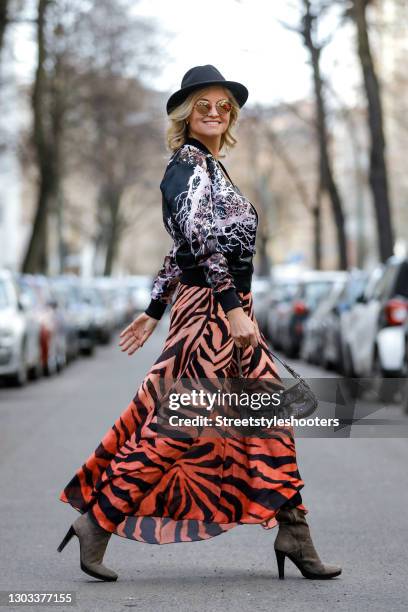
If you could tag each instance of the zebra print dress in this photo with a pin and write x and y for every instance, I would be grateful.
(160, 490)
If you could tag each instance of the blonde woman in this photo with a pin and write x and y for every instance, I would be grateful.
(162, 490)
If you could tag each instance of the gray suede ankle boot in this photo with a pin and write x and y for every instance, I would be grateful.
(294, 541)
(93, 541)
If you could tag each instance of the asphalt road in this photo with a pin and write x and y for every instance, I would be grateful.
(355, 490)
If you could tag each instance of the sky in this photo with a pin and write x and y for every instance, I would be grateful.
(244, 39)
(247, 42)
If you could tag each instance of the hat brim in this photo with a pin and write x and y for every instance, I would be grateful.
(239, 91)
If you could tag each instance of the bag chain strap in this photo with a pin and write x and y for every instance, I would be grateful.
(285, 365)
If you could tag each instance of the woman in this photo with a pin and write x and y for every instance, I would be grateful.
(156, 489)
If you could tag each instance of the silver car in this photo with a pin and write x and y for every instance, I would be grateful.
(20, 351)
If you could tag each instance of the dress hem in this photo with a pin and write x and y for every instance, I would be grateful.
(209, 531)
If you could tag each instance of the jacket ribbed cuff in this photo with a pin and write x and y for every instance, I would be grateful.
(156, 309)
(228, 299)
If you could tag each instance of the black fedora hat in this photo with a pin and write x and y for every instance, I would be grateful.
(200, 76)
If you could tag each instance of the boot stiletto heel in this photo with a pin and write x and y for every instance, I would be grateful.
(70, 533)
(280, 558)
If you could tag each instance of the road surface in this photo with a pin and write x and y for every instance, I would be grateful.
(355, 490)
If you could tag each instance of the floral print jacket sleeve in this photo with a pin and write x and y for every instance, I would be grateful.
(164, 285)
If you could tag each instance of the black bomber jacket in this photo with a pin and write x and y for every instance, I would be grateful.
(213, 227)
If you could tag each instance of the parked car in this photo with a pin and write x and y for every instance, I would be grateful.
(101, 318)
(374, 336)
(319, 327)
(282, 292)
(328, 321)
(116, 296)
(336, 322)
(52, 334)
(294, 312)
(84, 319)
(19, 333)
(260, 289)
(109, 310)
(404, 382)
(66, 305)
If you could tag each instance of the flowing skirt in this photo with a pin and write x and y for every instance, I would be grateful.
(158, 490)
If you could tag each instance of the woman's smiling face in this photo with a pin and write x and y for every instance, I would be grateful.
(213, 124)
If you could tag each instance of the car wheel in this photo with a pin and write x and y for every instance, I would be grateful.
(339, 367)
(36, 371)
(20, 378)
(404, 393)
(326, 363)
(381, 386)
(351, 380)
(89, 350)
(348, 367)
(77, 349)
(106, 337)
(274, 338)
(290, 349)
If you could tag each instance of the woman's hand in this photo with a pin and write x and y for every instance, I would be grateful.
(135, 335)
(243, 330)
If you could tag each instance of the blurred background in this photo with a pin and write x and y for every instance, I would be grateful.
(321, 154)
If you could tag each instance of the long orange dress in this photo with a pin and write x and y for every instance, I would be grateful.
(158, 490)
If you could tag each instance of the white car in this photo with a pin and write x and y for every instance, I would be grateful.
(20, 351)
(373, 329)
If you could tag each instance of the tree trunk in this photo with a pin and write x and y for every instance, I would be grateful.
(327, 181)
(57, 114)
(4, 4)
(264, 266)
(112, 202)
(378, 170)
(36, 257)
(317, 231)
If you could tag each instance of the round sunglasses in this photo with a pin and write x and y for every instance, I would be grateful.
(204, 106)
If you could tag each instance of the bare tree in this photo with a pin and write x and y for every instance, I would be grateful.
(85, 96)
(49, 104)
(252, 125)
(36, 257)
(358, 171)
(378, 169)
(115, 152)
(307, 30)
(328, 183)
(116, 119)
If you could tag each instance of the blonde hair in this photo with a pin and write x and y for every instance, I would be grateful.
(177, 130)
